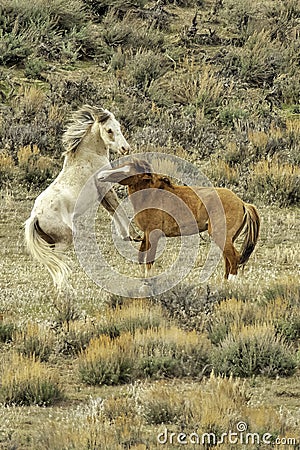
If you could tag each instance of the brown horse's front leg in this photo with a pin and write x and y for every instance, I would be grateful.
(148, 249)
(142, 250)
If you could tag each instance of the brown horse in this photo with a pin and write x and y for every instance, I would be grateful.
(218, 210)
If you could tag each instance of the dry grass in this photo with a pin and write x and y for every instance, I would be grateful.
(222, 173)
(226, 99)
(26, 381)
(35, 341)
(276, 180)
(31, 100)
(112, 416)
(154, 353)
(6, 162)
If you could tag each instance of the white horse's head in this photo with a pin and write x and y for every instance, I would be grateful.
(94, 129)
(112, 136)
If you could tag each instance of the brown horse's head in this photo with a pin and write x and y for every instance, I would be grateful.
(127, 173)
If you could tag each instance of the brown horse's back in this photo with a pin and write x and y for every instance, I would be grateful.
(180, 211)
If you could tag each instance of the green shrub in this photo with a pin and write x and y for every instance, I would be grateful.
(200, 87)
(146, 66)
(254, 350)
(231, 113)
(227, 314)
(241, 16)
(6, 331)
(171, 352)
(72, 342)
(21, 14)
(287, 289)
(34, 346)
(260, 61)
(34, 68)
(47, 31)
(131, 33)
(14, 47)
(120, 8)
(157, 367)
(289, 327)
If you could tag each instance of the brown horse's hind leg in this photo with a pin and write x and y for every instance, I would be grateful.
(231, 257)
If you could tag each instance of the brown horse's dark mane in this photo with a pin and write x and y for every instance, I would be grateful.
(142, 166)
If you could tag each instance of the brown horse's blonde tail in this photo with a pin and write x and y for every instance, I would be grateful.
(45, 253)
(252, 226)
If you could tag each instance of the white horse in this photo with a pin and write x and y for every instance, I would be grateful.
(49, 230)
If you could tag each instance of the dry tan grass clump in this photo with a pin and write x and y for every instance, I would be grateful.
(6, 162)
(35, 340)
(7, 167)
(275, 182)
(26, 381)
(36, 169)
(222, 174)
(131, 316)
(153, 353)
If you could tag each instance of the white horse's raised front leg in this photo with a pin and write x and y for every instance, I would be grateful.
(123, 225)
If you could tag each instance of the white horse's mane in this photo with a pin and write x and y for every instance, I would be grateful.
(81, 121)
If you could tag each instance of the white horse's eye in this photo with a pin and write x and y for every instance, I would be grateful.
(110, 132)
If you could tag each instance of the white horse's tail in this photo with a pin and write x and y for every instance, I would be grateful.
(45, 253)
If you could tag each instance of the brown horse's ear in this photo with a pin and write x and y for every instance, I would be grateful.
(142, 166)
(146, 176)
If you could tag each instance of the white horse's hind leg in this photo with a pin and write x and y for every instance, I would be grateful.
(52, 259)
